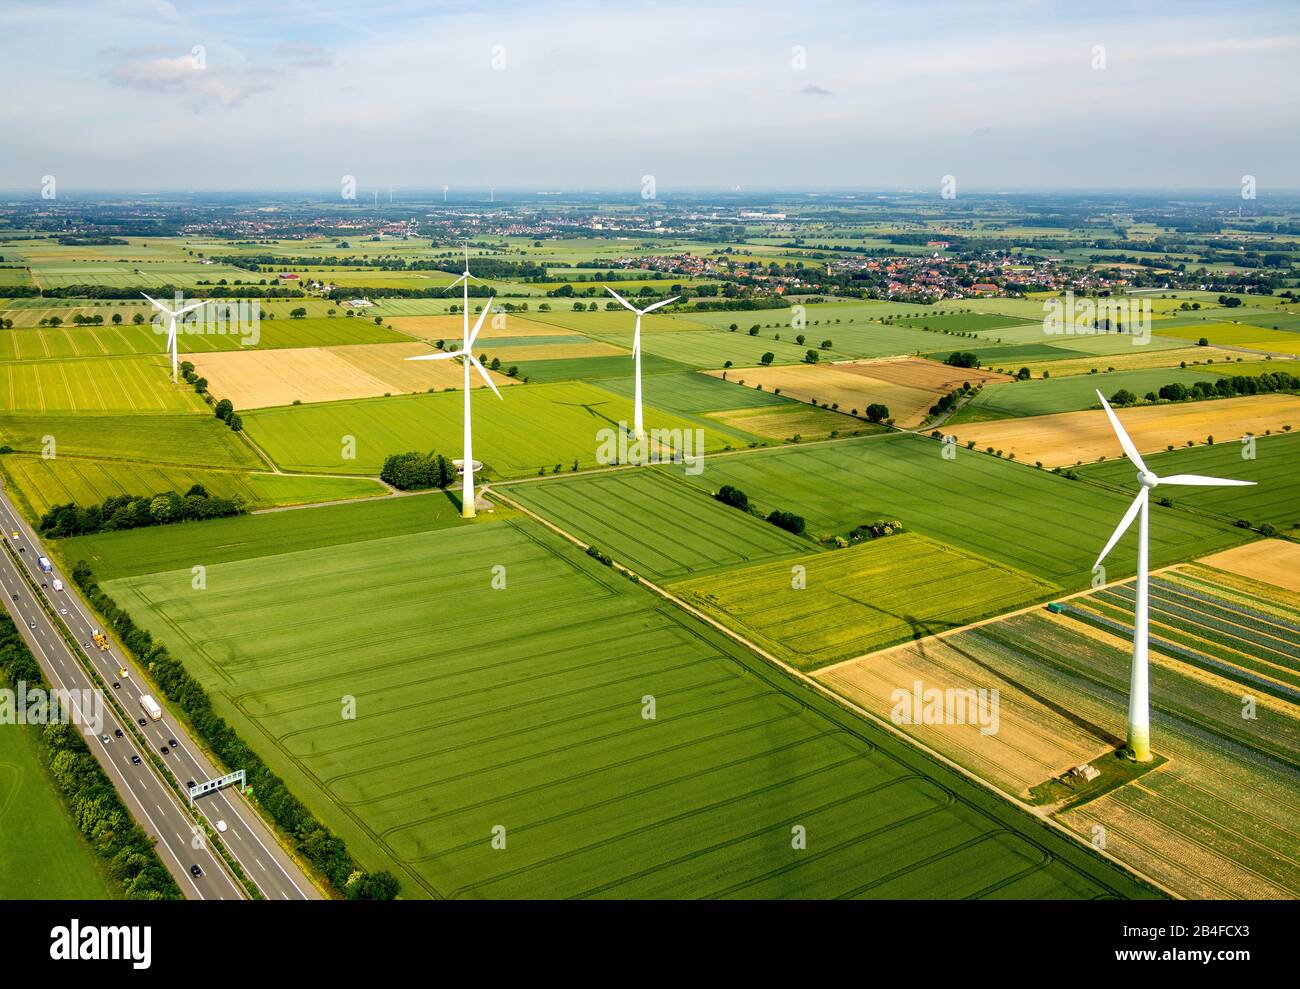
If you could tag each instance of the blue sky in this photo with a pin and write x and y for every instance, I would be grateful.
(596, 95)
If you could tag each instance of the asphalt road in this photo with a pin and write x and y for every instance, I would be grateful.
(154, 804)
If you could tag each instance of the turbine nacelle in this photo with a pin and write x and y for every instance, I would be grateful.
(1147, 479)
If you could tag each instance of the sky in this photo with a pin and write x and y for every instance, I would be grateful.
(231, 94)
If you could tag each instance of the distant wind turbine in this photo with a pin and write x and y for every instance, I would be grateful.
(171, 325)
(467, 498)
(637, 429)
(1139, 714)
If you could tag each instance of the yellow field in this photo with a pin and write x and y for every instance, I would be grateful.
(546, 351)
(1067, 438)
(1033, 741)
(919, 372)
(452, 327)
(831, 384)
(254, 379)
(1273, 561)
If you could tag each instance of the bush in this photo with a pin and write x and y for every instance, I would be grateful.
(787, 521)
(415, 471)
(734, 497)
(877, 412)
(962, 359)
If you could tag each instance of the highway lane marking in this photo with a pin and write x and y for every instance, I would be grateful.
(106, 656)
(125, 781)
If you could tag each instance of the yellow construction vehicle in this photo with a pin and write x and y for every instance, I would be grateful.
(100, 638)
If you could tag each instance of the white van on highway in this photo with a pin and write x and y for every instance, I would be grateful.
(56, 584)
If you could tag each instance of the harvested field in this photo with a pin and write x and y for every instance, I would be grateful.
(255, 379)
(831, 384)
(1035, 738)
(1067, 438)
(918, 372)
(511, 354)
(1274, 561)
(1139, 359)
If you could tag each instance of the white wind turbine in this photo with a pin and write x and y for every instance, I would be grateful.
(637, 430)
(1139, 716)
(467, 359)
(171, 326)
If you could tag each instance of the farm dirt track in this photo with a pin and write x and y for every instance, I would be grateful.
(1062, 439)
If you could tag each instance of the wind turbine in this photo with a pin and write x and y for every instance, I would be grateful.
(171, 326)
(467, 359)
(637, 430)
(1139, 717)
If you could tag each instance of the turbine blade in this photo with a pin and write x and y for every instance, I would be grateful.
(658, 304)
(483, 371)
(182, 312)
(1221, 482)
(459, 280)
(1130, 450)
(478, 325)
(622, 300)
(1124, 523)
(442, 355)
(156, 302)
(636, 336)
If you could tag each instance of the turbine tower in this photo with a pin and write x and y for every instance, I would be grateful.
(638, 430)
(467, 359)
(171, 326)
(1139, 715)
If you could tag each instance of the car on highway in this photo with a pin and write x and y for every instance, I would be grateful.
(117, 732)
(195, 871)
(116, 685)
(221, 826)
(135, 760)
(63, 611)
(190, 784)
(173, 743)
(141, 722)
(104, 739)
(123, 672)
(14, 534)
(164, 750)
(14, 596)
(31, 624)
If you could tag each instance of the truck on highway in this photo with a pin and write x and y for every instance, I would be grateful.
(151, 707)
(56, 584)
(45, 564)
(100, 638)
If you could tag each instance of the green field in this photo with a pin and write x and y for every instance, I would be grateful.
(653, 523)
(41, 855)
(518, 712)
(119, 384)
(32, 342)
(250, 537)
(1275, 469)
(1043, 396)
(1032, 520)
(860, 599)
(38, 483)
(535, 426)
(185, 440)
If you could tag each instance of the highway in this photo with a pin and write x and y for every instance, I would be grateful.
(153, 803)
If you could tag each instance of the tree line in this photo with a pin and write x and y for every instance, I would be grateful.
(127, 511)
